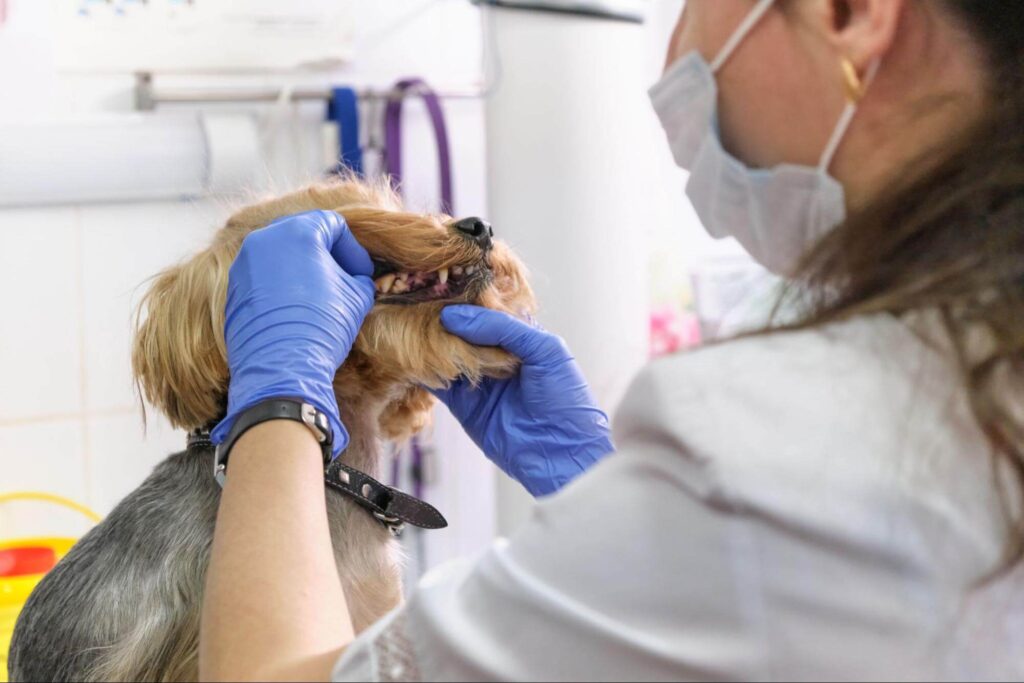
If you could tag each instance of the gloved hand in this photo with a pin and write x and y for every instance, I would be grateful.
(298, 292)
(542, 427)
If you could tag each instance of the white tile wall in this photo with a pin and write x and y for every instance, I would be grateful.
(45, 455)
(38, 519)
(40, 326)
(70, 421)
(123, 246)
(123, 453)
(54, 447)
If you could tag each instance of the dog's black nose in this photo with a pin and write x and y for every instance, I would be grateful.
(476, 229)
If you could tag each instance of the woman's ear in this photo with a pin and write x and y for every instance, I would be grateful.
(862, 31)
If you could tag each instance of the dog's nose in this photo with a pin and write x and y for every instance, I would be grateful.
(476, 229)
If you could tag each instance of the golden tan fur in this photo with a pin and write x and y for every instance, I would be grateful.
(179, 356)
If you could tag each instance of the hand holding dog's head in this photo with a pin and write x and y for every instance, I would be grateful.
(422, 264)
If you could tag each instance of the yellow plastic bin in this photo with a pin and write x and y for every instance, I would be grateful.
(23, 564)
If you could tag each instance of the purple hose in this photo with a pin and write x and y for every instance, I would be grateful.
(393, 136)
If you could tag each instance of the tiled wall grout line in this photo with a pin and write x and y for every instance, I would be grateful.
(61, 417)
(83, 384)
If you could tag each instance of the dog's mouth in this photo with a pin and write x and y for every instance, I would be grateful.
(449, 284)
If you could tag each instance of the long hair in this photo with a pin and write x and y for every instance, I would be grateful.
(950, 241)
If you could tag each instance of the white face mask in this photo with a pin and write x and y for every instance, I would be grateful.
(777, 213)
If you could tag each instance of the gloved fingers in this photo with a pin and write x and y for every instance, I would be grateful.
(344, 247)
(485, 327)
(334, 235)
(369, 290)
(337, 238)
(326, 229)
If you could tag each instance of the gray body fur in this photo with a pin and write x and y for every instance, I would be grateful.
(124, 604)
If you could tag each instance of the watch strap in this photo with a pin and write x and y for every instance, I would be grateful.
(275, 409)
(389, 506)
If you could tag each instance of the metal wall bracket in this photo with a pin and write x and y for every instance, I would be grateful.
(148, 97)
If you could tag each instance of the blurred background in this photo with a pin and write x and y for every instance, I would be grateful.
(130, 128)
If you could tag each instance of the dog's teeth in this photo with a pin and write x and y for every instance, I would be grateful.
(457, 270)
(470, 270)
(400, 287)
(403, 277)
(442, 275)
(384, 283)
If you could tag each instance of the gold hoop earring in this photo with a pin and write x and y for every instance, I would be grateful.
(852, 82)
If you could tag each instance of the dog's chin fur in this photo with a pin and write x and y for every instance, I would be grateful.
(124, 604)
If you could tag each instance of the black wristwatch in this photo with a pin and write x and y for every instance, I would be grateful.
(275, 409)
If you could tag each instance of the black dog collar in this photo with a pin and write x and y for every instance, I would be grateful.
(389, 506)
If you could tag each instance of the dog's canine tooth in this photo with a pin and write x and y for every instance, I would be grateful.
(442, 275)
(384, 283)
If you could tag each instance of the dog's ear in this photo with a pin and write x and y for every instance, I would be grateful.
(179, 358)
(407, 415)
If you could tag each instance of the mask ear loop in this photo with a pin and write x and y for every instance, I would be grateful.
(745, 27)
(847, 118)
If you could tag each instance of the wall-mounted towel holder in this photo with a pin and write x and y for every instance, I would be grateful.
(148, 97)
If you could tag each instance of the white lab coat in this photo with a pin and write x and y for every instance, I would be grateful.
(811, 505)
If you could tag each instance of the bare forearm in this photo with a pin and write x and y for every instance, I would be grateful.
(274, 607)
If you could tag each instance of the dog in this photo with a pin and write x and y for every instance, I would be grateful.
(124, 604)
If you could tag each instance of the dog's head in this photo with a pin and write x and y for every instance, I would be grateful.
(423, 262)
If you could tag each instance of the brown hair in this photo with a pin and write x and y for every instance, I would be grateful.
(951, 241)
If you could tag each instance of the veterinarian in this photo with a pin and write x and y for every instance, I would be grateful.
(837, 498)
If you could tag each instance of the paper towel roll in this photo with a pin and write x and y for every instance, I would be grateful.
(232, 151)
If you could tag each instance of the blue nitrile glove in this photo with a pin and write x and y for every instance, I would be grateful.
(542, 427)
(298, 292)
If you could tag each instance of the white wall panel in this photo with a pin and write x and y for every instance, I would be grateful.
(40, 314)
(123, 246)
(123, 453)
(46, 456)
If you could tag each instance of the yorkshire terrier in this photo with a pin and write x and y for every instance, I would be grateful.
(124, 604)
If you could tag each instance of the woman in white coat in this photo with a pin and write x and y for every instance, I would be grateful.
(837, 497)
